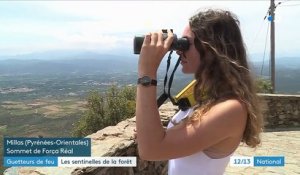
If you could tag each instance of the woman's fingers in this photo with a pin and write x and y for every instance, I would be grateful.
(154, 38)
(147, 39)
(155, 46)
(169, 40)
(160, 40)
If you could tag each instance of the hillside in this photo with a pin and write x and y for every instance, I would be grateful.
(88, 65)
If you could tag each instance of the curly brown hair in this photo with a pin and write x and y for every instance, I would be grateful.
(224, 72)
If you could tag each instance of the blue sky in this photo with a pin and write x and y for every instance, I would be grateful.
(109, 26)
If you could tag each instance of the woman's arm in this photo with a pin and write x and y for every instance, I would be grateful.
(147, 116)
(224, 120)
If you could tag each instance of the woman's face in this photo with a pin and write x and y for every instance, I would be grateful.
(190, 59)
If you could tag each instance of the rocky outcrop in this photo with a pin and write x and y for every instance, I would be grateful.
(281, 111)
(111, 141)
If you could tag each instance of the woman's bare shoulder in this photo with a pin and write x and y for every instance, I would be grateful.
(230, 112)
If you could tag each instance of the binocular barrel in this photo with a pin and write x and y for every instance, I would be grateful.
(181, 44)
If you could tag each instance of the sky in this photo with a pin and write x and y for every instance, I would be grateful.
(109, 26)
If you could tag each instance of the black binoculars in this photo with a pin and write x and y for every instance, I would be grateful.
(181, 44)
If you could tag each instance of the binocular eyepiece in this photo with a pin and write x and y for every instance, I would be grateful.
(181, 44)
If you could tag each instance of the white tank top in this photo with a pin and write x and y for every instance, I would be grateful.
(198, 163)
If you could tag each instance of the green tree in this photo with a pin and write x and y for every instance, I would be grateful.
(263, 85)
(106, 109)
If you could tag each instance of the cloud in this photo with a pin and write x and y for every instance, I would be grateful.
(108, 25)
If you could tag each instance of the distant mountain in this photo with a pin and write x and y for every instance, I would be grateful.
(287, 73)
(83, 62)
(58, 62)
(56, 54)
(280, 62)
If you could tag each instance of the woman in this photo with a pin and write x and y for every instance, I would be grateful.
(201, 139)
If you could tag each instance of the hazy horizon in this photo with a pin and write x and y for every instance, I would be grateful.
(109, 26)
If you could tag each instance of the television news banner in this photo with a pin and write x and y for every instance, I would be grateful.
(76, 152)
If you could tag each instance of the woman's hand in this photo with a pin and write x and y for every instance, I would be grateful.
(153, 50)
